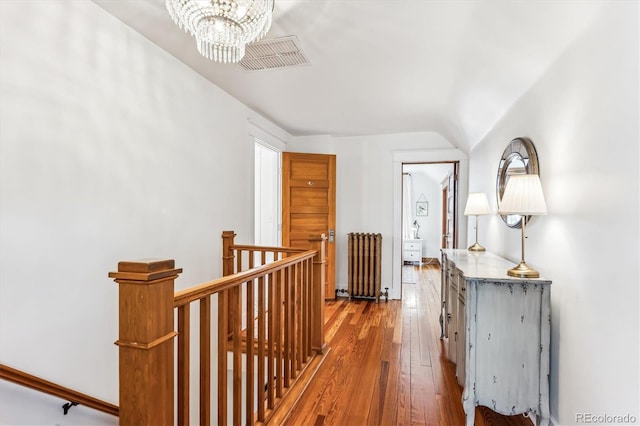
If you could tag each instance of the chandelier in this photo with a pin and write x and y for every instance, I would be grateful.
(222, 28)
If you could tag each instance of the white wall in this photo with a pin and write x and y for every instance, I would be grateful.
(369, 187)
(431, 224)
(582, 117)
(111, 149)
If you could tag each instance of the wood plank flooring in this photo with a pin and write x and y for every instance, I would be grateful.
(388, 366)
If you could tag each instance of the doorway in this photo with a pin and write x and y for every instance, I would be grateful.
(424, 214)
(267, 195)
(427, 156)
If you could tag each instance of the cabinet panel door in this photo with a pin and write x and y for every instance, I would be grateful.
(507, 317)
(461, 351)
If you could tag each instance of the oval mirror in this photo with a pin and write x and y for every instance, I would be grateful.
(519, 157)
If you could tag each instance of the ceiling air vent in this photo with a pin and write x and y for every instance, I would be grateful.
(280, 52)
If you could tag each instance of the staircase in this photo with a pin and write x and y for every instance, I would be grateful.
(254, 336)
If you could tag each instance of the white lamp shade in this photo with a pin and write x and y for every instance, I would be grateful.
(477, 204)
(523, 195)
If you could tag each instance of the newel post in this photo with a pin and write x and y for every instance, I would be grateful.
(146, 340)
(227, 252)
(318, 286)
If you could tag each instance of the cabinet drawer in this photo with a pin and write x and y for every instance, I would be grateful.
(413, 256)
(412, 246)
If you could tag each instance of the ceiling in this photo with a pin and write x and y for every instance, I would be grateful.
(388, 66)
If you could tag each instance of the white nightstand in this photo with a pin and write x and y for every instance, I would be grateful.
(412, 250)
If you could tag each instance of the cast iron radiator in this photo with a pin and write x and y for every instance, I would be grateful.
(365, 265)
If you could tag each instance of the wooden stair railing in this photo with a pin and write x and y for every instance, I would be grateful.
(38, 384)
(272, 296)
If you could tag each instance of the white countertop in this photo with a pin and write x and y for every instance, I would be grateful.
(485, 266)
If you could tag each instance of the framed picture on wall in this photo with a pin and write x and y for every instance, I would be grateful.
(422, 208)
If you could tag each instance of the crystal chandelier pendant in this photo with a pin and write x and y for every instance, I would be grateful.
(222, 28)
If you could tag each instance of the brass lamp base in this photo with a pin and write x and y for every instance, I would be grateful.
(523, 271)
(477, 247)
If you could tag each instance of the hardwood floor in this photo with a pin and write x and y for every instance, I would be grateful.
(388, 366)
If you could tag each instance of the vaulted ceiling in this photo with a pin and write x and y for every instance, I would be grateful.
(388, 66)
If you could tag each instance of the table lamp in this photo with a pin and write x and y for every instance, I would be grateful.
(523, 196)
(477, 205)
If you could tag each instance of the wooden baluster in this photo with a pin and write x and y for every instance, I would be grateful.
(317, 319)
(271, 339)
(302, 334)
(223, 335)
(145, 341)
(287, 327)
(297, 345)
(205, 360)
(249, 379)
(261, 342)
(184, 338)
(228, 255)
(292, 322)
(293, 329)
(304, 325)
(236, 316)
(310, 306)
(279, 341)
(307, 309)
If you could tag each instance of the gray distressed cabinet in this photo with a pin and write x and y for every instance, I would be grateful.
(498, 330)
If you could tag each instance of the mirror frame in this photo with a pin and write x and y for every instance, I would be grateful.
(519, 149)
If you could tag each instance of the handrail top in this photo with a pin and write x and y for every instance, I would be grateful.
(217, 285)
(267, 248)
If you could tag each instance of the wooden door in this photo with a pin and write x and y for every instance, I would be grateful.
(450, 209)
(445, 218)
(309, 205)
